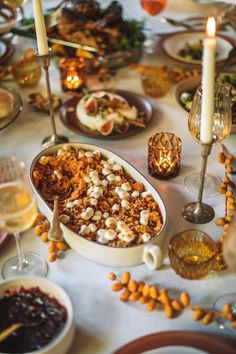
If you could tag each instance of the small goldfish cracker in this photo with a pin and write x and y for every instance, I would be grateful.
(125, 278)
(124, 295)
(44, 236)
(52, 247)
(151, 305)
(134, 296)
(38, 230)
(207, 319)
(220, 221)
(227, 309)
(111, 276)
(39, 219)
(45, 225)
(229, 193)
(169, 311)
(198, 314)
(164, 297)
(117, 286)
(61, 246)
(141, 286)
(231, 317)
(132, 285)
(52, 257)
(185, 299)
(154, 292)
(221, 157)
(146, 290)
(143, 299)
(176, 304)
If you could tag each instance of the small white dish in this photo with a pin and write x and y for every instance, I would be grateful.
(173, 43)
(176, 349)
(63, 341)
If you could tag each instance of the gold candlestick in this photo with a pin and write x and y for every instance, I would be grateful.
(54, 138)
(198, 212)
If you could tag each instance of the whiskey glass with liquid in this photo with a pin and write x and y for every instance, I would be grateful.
(18, 210)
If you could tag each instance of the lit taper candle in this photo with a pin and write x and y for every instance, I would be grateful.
(208, 79)
(40, 28)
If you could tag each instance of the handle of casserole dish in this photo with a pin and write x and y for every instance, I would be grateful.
(152, 256)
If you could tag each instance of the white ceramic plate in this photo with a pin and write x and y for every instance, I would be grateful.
(174, 349)
(173, 43)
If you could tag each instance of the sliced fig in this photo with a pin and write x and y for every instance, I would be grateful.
(107, 128)
(91, 106)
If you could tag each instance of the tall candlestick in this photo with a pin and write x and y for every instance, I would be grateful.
(40, 28)
(208, 78)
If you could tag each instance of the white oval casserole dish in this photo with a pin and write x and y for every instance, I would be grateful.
(106, 255)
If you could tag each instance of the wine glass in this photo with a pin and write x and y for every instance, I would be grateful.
(16, 5)
(18, 210)
(226, 316)
(222, 120)
(153, 8)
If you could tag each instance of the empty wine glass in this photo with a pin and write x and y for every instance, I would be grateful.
(226, 315)
(153, 8)
(222, 121)
(18, 210)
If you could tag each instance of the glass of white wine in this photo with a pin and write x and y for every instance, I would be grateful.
(18, 210)
(222, 121)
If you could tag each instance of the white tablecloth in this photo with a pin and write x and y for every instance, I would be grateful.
(103, 322)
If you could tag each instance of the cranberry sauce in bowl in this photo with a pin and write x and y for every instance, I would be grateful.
(44, 318)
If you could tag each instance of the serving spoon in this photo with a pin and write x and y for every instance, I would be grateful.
(55, 232)
(15, 326)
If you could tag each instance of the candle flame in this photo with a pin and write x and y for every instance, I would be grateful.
(211, 27)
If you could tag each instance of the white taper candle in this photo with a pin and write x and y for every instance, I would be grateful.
(208, 80)
(40, 28)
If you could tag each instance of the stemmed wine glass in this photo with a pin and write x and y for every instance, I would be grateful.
(153, 8)
(222, 120)
(18, 210)
(16, 5)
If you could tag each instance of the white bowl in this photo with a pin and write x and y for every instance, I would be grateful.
(188, 85)
(106, 255)
(64, 339)
(174, 42)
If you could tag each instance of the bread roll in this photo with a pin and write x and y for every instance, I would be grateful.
(6, 103)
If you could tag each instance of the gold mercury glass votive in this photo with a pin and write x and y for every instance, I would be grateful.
(73, 74)
(164, 152)
(27, 72)
(192, 254)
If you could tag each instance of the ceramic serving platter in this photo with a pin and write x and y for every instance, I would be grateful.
(110, 256)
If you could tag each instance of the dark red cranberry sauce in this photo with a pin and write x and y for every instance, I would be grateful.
(30, 306)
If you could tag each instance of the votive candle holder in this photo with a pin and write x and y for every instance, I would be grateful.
(73, 74)
(164, 155)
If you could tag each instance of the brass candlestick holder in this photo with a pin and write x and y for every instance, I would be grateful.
(54, 138)
(198, 212)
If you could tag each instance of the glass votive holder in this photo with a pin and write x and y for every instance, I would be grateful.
(192, 254)
(73, 74)
(27, 72)
(156, 82)
(164, 155)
